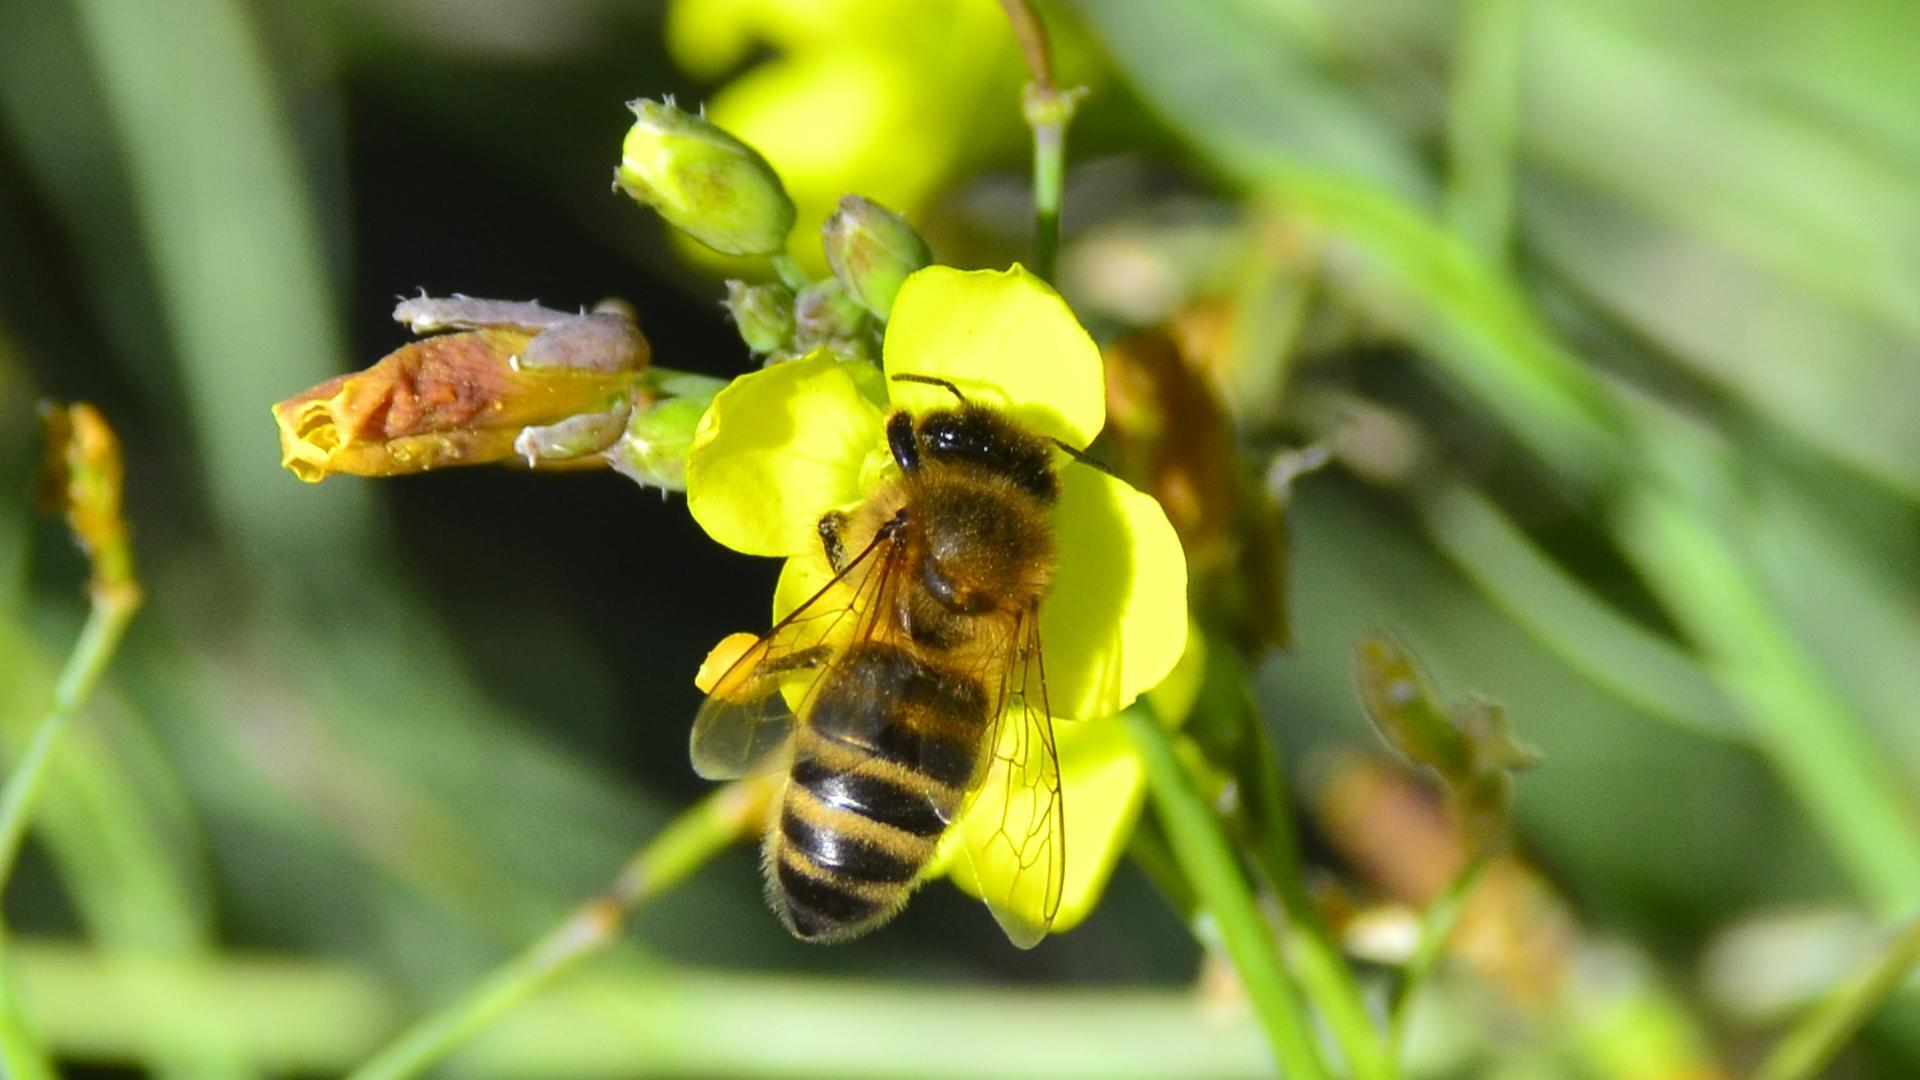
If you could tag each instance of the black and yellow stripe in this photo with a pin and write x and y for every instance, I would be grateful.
(882, 765)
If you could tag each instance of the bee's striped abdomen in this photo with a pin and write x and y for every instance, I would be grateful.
(880, 767)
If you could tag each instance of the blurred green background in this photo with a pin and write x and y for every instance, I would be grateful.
(1611, 309)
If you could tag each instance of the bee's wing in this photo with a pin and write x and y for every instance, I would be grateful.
(748, 719)
(1014, 829)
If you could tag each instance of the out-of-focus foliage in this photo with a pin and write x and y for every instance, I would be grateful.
(1607, 313)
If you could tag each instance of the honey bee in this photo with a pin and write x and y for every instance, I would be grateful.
(896, 692)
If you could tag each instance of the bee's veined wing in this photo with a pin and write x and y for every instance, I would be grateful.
(1014, 828)
(747, 722)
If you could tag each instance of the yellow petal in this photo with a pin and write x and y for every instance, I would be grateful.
(777, 449)
(1116, 621)
(1004, 338)
(1101, 786)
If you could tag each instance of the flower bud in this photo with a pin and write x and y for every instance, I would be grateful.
(764, 314)
(705, 182)
(653, 452)
(872, 250)
(824, 311)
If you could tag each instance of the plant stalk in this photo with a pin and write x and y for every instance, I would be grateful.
(1208, 862)
(1808, 1047)
(686, 844)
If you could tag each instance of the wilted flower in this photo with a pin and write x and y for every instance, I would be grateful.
(705, 182)
(782, 446)
(519, 382)
(81, 479)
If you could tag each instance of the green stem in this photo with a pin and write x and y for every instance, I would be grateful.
(1049, 180)
(1324, 973)
(21, 1057)
(301, 1016)
(1613, 651)
(791, 274)
(106, 621)
(1048, 110)
(1807, 1048)
(1209, 864)
(684, 846)
(1436, 929)
(1481, 119)
(1805, 727)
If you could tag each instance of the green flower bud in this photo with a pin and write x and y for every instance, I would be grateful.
(705, 182)
(823, 311)
(653, 451)
(872, 250)
(764, 314)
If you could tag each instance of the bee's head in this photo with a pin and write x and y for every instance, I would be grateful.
(975, 437)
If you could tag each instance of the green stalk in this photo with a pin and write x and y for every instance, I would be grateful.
(1807, 1048)
(1048, 111)
(1209, 863)
(1323, 971)
(1808, 732)
(21, 1057)
(686, 844)
(1613, 651)
(790, 272)
(311, 1017)
(1436, 927)
(106, 622)
(1482, 116)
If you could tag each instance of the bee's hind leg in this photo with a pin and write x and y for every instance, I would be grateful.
(832, 528)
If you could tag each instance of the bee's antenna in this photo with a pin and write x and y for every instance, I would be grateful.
(1081, 457)
(932, 381)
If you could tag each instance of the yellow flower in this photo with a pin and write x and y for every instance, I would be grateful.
(782, 446)
(883, 98)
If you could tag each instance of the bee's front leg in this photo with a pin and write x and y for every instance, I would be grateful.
(832, 528)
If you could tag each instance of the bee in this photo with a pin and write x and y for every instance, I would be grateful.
(907, 684)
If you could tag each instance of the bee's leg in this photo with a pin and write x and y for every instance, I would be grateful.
(832, 526)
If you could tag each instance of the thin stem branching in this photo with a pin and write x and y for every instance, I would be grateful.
(686, 844)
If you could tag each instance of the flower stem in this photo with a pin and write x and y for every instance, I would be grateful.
(1324, 974)
(790, 272)
(106, 621)
(112, 608)
(1436, 927)
(684, 846)
(1807, 1048)
(1208, 862)
(21, 1057)
(1048, 110)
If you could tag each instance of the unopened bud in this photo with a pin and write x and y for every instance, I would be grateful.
(705, 182)
(653, 451)
(872, 250)
(764, 314)
(823, 312)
